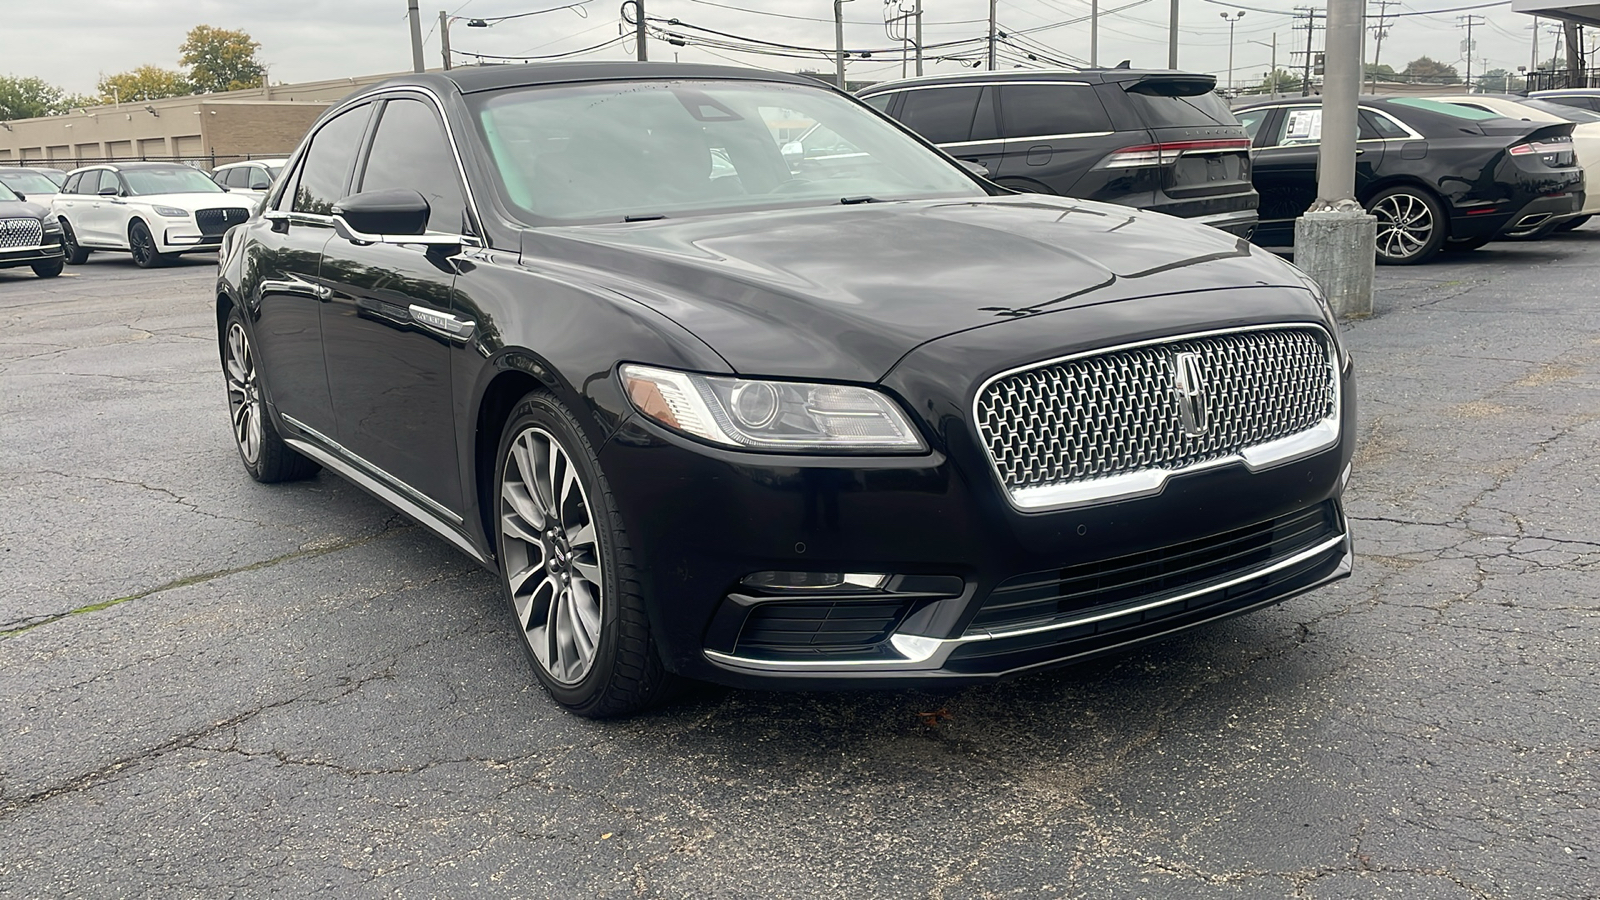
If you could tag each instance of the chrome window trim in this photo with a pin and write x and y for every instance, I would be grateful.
(1149, 482)
(921, 652)
(1411, 133)
(961, 84)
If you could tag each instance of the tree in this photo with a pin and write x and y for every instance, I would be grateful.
(143, 83)
(221, 60)
(1287, 81)
(1495, 81)
(1380, 72)
(26, 98)
(1423, 70)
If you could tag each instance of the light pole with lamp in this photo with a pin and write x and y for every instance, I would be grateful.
(1231, 20)
(1272, 76)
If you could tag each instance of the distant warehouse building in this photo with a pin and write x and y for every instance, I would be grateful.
(202, 129)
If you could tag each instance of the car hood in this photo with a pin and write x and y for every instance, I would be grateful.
(11, 209)
(844, 292)
(191, 202)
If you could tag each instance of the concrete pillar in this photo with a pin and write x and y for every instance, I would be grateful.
(1336, 248)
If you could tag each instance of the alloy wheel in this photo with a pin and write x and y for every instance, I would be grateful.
(1405, 225)
(244, 393)
(551, 553)
(143, 246)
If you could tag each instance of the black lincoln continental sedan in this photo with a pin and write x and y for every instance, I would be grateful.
(712, 415)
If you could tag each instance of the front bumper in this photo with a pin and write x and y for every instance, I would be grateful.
(27, 256)
(182, 239)
(702, 519)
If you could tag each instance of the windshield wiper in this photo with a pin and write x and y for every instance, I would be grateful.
(852, 201)
(649, 217)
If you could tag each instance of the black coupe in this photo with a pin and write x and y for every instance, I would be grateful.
(712, 415)
(1437, 176)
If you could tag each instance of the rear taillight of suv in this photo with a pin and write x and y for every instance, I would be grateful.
(1553, 151)
(1166, 154)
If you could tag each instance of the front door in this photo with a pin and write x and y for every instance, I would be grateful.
(1286, 168)
(387, 355)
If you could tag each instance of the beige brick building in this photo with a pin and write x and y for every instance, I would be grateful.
(206, 129)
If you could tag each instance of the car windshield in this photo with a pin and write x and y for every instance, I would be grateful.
(27, 182)
(1570, 113)
(610, 152)
(176, 180)
(6, 193)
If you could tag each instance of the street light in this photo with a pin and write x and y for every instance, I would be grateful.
(1231, 20)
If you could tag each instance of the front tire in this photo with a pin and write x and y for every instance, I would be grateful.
(264, 454)
(143, 245)
(566, 568)
(50, 268)
(76, 255)
(1411, 225)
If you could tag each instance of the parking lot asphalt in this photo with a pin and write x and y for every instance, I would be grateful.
(210, 687)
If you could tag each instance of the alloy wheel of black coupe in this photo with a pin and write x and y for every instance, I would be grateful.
(567, 568)
(75, 254)
(264, 454)
(143, 246)
(1411, 226)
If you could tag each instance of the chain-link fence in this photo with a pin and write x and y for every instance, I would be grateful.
(206, 163)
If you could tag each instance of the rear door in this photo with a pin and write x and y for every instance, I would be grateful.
(1285, 171)
(960, 118)
(1055, 132)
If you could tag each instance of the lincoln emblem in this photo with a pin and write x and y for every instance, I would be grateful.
(1189, 380)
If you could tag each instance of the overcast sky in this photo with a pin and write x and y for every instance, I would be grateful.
(72, 44)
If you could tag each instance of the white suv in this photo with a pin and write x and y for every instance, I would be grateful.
(154, 210)
(251, 178)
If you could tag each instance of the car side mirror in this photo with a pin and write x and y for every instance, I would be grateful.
(975, 167)
(395, 216)
(109, 192)
(259, 184)
(21, 197)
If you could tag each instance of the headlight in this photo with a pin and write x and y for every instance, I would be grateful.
(771, 415)
(171, 212)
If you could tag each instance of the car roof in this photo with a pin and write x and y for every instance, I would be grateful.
(126, 166)
(475, 79)
(275, 161)
(1567, 92)
(1093, 76)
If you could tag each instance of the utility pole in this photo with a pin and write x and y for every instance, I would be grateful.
(1335, 241)
(992, 31)
(444, 37)
(1380, 30)
(1575, 76)
(639, 32)
(1094, 34)
(416, 35)
(1172, 36)
(1533, 64)
(1231, 20)
(838, 43)
(1274, 75)
(1310, 14)
(919, 37)
(1469, 22)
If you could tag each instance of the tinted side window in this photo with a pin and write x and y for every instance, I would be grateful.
(879, 102)
(326, 170)
(942, 115)
(1383, 126)
(73, 180)
(410, 150)
(238, 177)
(1252, 120)
(1031, 110)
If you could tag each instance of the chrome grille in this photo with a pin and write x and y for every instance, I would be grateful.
(216, 221)
(21, 232)
(1117, 413)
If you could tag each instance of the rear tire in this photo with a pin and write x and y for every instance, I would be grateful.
(76, 255)
(566, 568)
(264, 454)
(50, 268)
(1573, 224)
(1411, 225)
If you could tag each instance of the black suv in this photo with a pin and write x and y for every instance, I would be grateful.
(1157, 140)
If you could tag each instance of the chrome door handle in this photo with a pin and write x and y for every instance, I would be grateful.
(442, 322)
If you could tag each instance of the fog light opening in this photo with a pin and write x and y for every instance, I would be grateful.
(815, 581)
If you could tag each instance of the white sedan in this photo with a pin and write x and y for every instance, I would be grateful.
(155, 211)
(1585, 140)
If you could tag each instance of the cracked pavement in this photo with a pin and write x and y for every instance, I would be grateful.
(212, 687)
